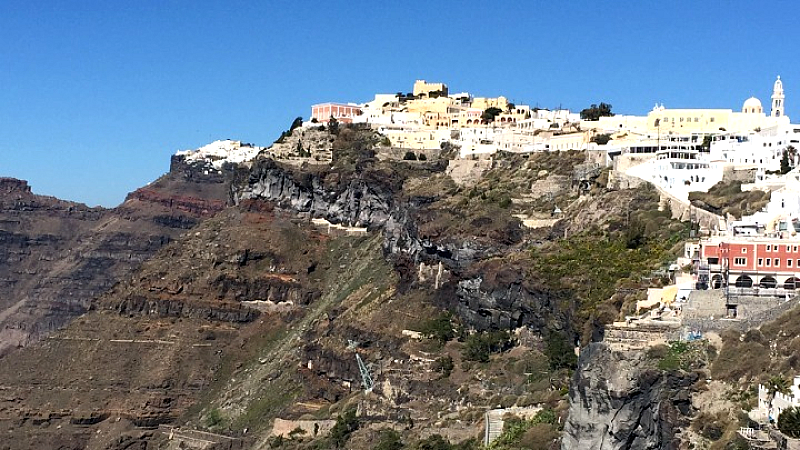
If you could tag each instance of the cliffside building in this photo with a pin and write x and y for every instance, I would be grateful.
(339, 111)
(771, 410)
(762, 265)
(423, 89)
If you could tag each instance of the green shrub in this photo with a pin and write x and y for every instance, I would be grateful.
(479, 346)
(410, 156)
(345, 425)
(433, 442)
(444, 365)
(389, 439)
(559, 351)
(789, 422)
(214, 418)
(438, 328)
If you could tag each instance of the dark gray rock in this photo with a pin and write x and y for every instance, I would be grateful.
(618, 404)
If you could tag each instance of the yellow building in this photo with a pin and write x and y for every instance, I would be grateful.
(513, 115)
(699, 120)
(423, 105)
(568, 141)
(416, 139)
(423, 89)
(711, 121)
(484, 103)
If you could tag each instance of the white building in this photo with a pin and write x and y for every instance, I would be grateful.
(780, 402)
(757, 149)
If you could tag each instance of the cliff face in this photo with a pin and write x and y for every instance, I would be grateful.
(56, 256)
(487, 295)
(618, 404)
(366, 201)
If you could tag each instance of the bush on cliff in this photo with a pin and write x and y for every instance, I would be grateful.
(479, 346)
(789, 422)
(345, 425)
(560, 351)
(438, 328)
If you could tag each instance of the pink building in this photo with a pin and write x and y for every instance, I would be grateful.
(341, 112)
(745, 262)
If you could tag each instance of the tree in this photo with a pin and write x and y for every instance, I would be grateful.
(389, 439)
(478, 346)
(601, 139)
(490, 113)
(333, 125)
(422, 157)
(786, 166)
(346, 424)
(410, 156)
(789, 422)
(296, 123)
(595, 112)
(559, 351)
(776, 384)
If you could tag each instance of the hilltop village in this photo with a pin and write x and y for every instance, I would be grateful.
(730, 173)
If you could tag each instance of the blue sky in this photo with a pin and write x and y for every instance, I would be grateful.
(95, 95)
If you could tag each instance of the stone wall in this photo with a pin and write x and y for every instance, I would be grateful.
(681, 210)
(751, 311)
(705, 304)
(311, 428)
(634, 337)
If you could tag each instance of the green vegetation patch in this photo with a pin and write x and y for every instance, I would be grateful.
(537, 433)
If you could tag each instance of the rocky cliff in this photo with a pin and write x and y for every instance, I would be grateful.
(486, 296)
(57, 256)
(618, 402)
(238, 310)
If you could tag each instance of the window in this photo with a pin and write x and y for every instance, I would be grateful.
(744, 250)
(788, 247)
(769, 262)
(769, 248)
(776, 262)
(713, 260)
(788, 263)
(760, 262)
(794, 249)
(739, 261)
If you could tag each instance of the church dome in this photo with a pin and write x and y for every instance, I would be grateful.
(752, 105)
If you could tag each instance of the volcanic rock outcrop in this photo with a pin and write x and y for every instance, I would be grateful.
(617, 404)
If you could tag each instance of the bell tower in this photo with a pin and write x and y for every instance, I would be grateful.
(778, 108)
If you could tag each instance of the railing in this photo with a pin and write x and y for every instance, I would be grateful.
(757, 291)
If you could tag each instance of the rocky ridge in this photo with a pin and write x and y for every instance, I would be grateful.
(57, 256)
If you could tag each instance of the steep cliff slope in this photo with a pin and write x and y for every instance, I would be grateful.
(259, 313)
(56, 256)
(620, 401)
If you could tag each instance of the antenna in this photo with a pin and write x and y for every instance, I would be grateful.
(366, 378)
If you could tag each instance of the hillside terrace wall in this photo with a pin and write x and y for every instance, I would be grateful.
(751, 312)
(312, 428)
(641, 336)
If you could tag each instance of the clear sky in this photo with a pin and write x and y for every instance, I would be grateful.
(96, 95)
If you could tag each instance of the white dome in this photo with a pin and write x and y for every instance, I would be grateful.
(752, 105)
